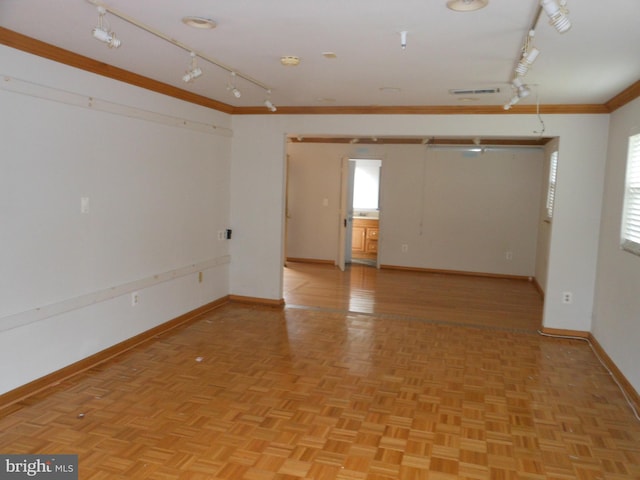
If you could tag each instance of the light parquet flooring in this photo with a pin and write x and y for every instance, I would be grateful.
(258, 393)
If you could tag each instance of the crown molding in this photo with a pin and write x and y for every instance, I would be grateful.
(428, 110)
(27, 44)
(428, 141)
(36, 47)
(626, 96)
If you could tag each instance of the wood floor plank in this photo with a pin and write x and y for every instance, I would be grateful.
(326, 392)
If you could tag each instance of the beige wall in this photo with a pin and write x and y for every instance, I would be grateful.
(616, 314)
(454, 209)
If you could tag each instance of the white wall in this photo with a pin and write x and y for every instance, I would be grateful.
(616, 319)
(158, 194)
(454, 209)
(259, 142)
(545, 224)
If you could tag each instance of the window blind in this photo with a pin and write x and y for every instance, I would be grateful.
(551, 190)
(631, 212)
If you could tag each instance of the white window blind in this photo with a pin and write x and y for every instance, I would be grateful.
(631, 212)
(551, 189)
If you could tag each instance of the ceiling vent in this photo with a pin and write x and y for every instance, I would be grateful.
(474, 91)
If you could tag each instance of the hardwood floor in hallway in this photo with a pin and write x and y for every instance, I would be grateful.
(437, 297)
(247, 392)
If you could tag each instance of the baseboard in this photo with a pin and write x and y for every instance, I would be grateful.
(266, 302)
(538, 287)
(310, 260)
(560, 332)
(631, 392)
(456, 272)
(9, 398)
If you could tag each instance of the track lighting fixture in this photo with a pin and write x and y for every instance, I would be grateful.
(232, 87)
(267, 103)
(102, 31)
(527, 60)
(522, 90)
(557, 14)
(194, 71)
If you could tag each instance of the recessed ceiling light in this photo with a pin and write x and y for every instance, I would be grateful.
(466, 5)
(290, 61)
(329, 55)
(199, 22)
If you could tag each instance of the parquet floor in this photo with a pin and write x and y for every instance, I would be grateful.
(255, 393)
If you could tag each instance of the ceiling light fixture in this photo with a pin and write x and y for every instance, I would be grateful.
(466, 5)
(102, 31)
(199, 22)
(522, 90)
(403, 39)
(290, 61)
(194, 71)
(109, 37)
(232, 87)
(557, 14)
(267, 103)
(527, 60)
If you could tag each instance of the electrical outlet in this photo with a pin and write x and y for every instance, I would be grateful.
(567, 297)
(220, 234)
(404, 248)
(509, 255)
(135, 299)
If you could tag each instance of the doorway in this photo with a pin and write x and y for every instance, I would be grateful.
(365, 208)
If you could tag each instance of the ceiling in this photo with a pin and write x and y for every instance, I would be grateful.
(594, 61)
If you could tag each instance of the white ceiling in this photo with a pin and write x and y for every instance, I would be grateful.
(591, 63)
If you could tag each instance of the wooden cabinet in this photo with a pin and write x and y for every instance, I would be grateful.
(364, 238)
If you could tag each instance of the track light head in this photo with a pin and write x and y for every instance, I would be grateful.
(194, 71)
(269, 105)
(106, 37)
(527, 60)
(557, 14)
(192, 74)
(102, 32)
(232, 87)
(522, 90)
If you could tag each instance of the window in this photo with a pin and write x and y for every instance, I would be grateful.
(551, 190)
(631, 212)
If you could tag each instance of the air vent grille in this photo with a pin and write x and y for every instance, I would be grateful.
(474, 91)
